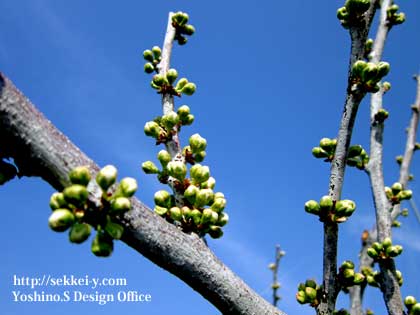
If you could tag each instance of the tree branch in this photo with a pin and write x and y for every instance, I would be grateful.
(331, 288)
(39, 149)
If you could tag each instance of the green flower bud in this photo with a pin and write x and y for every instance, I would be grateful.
(223, 219)
(149, 167)
(415, 309)
(372, 86)
(186, 212)
(177, 169)
(183, 111)
(370, 72)
(394, 251)
(187, 121)
(182, 40)
(349, 207)
(127, 187)
(189, 89)
(204, 197)
(342, 13)
(164, 157)
(60, 220)
(218, 204)
(399, 18)
(396, 188)
(393, 9)
(215, 231)
(319, 153)
(328, 144)
(405, 194)
(388, 192)
(310, 283)
(161, 210)
(157, 52)
(106, 177)
(180, 84)
(369, 44)
(199, 156)
(383, 69)
(175, 213)
(377, 246)
(404, 212)
(417, 146)
(149, 68)
(372, 253)
(170, 120)
(347, 264)
(310, 293)
(348, 274)
(396, 224)
(79, 233)
(210, 183)
(386, 86)
(354, 151)
(358, 68)
(162, 198)
(199, 173)
(180, 18)
(114, 230)
(190, 193)
(207, 216)
(219, 195)
(171, 75)
(387, 242)
(80, 175)
(76, 194)
(312, 207)
(152, 129)
(326, 203)
(148, 55)
(301, 297)
(102, 245)
(120, 205)
(381, 115)
(159, 80)
(188, 30)
(409, 301)
(57, 201)
(358, 278)
(196, 216)
(197, 143)
(371, 281)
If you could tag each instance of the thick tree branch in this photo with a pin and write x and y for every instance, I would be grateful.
(354, 96)
(39, 149)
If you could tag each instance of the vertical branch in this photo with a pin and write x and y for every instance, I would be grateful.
(354, 96)
(275, 269)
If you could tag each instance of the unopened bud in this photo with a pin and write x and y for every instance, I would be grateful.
(128, 186)
(148, 55)
(196, 216)
(171, 75)
(149, 167)
(215, 231)
(326, 203)
(177, 169)
(149, 68)
(120, 205)
(204, 197)
(57, 201)
(189, 88)
(102, 245)
(199, 173)
(80, 175)
(175, 213)
(79, 233)
(197, 143)
(223, 219)
(170, 120)
(114, 230)
(60, 220)
(180, 84)
(106, 177)
(164, 157)
(210, 183)
(191, 192)
(76, 194)
(162, 198)
(183, 111)
(157, 52)
(312, 207)
(152, 129)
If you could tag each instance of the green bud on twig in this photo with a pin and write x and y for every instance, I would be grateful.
(149, 68)
(102, 245)
(177, 169)
(312, 207)
(171, 75)
(175, 213)
(157, 52)
(114, 229)
(106, 177)
(60, 220)
(326, 203)
(164, 157)
(128, 186)
(215, 231)
(57, 201)
(197, 143)
(189, 89)
(199, 173)
(79, 233)
(162, 198)
(148, 55)
(120, 205)
(161, 210)
(190, 193)
(80, 175)
(76, 194)
(149, 167)
(152, 129)
(170, 120)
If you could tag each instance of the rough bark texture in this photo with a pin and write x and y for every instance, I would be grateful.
(39, 149)
(331, 286)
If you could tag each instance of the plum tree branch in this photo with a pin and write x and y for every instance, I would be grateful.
(39, 149)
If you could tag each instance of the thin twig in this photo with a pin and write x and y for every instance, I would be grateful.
(275, 269)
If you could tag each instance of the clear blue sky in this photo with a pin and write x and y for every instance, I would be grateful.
(271, 82)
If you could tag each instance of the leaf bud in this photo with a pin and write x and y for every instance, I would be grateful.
(342, 13)
(404, 212)
(60, 220)
(415, 309)
(388, 192)
(347, 264)
(149, 167)
(79, 233)
(187, 121)
(218, 204)
(182, 40)
(80, 175)
(377, 246)
(386, 86)
(405, 194)
(128, 187)
(186, 212)
(358, 278)
(188, 30)
(387, 242)
(106, 177)
(301, 297)
(383, 69)
(310, 293)
(354, 151)
(310, 283)
(328, 144)
(370, 72)
(159, 80)
(196, 216)
(358, 68)
(372, 253)
(394, 251)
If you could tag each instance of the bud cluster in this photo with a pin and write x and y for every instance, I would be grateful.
(413, 307)
(381, 115)
(179, 22)
(165, 84)
(368, 74)
(153, 57)
(348, 277)
(351, 14)
(356, 156)
(372, 276)
(331, 210)
(396, 193)
(309, 293)
(385, 250)
(393, 17)
(72, 209)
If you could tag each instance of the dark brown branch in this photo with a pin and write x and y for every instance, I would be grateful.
(39, 149)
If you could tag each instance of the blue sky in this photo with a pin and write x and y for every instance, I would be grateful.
(271, 82)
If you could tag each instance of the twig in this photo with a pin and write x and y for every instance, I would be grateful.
(275, 269)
